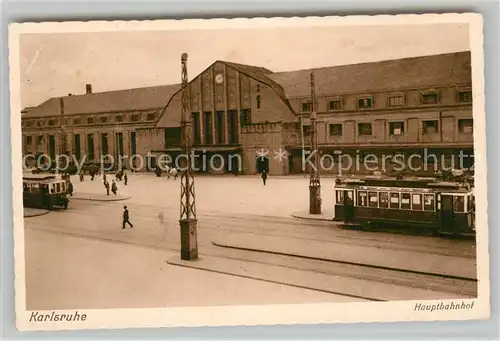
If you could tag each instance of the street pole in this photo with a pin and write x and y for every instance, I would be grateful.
(303, 154)
(314, 178)
(188, 221)
(63, 148)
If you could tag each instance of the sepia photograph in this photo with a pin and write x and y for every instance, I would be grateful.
(249, 171)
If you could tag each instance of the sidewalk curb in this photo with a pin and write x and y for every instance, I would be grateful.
(188, 265)
(331, 260)
(103, 200)
(37, 214)
(307, 216)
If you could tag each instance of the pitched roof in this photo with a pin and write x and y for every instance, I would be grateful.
(425, 71)
(262, 75)
(110, 101)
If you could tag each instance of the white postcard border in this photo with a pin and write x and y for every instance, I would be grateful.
(270, 314)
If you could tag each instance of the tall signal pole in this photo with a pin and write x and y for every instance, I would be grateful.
(314, 179)
(63, 148)
(188, 221)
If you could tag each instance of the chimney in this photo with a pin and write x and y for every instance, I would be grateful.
(61, 105)
(88, 88)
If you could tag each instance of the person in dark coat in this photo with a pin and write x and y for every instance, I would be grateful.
(106, 184)
(264, 176)
(81, 177)
(126, 218)
(114, 188)
(125, 178)
(70, 188)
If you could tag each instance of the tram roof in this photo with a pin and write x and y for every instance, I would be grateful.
(39, 177)
(405, 183)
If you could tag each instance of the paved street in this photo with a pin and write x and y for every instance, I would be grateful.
(82, 258)
(228, 194)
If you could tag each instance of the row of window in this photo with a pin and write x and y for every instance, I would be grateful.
(366, 102)
(89, 120)
(465, 126)
(77, 142)
(54, 188)
(401, 200)
(220, 123)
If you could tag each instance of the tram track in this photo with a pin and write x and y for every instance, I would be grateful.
(246, 224)
(428, 281)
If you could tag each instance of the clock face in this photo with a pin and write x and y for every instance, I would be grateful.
(219, 78)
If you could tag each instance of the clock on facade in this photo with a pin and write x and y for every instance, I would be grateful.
(219, 78)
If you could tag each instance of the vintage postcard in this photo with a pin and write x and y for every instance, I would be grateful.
(249, 171)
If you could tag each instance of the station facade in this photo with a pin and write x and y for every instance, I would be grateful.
(244, 117)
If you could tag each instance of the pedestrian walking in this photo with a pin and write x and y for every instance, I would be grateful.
(81, 177)
(125, 179)
(161, 217)
(106, 185)
(114, 188)
(70, 188)
(264, 176)
(126, 218)
(104, 178)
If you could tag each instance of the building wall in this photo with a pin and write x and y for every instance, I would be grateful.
(263, 140)
(449, 138)
(235, 92)
(272, 125)
(412, 98)
(84, 125)
(413, 122)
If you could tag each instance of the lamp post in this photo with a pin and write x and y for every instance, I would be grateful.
(63, 148)
(314, 178)
(188, 221)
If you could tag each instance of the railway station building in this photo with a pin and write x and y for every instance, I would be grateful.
(243, 116)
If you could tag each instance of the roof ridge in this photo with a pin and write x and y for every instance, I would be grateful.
(373, 62)
(260, 68)
(118, 90)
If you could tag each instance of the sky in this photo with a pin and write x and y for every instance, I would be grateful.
(58, 64)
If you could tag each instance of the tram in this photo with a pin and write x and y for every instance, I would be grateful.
(44, 191)
(446, 208)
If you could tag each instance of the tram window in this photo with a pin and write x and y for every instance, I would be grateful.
(458, 203)
(372, 199)
(362, 198)
(26, 188)
(428, 202)
(58, 188)
(470, 203)
(383, 200)
(416, 200)
(63, 187)
(350, 198)
(405, 201)
(394, 200)
(340, 197)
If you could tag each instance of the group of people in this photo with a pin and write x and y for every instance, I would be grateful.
(119, 176)
(114, 187)
(170, 171)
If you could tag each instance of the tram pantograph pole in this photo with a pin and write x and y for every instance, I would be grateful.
(187, 221)
(314, 176)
